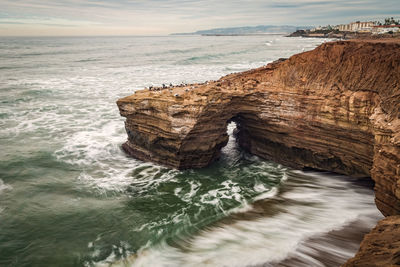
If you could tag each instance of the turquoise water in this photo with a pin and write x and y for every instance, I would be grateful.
(70, 197)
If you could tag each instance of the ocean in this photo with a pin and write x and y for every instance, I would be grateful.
(69, 196)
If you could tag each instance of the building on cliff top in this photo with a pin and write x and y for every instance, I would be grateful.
(357, 26)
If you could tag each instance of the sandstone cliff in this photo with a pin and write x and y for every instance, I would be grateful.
(381, 247)
(335, 108)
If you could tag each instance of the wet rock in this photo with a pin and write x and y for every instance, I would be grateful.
(381, 247)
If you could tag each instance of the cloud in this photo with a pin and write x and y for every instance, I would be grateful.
(166, 16)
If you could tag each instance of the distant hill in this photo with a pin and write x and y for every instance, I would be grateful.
(261, 29)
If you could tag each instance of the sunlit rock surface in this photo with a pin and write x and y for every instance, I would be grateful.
(335, 108)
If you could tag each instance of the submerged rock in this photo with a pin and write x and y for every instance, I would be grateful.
(335, 108)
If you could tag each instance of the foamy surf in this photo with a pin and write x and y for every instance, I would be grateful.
(4, 187)
(272, 229)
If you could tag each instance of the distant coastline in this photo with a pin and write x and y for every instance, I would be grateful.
(248, 30)
(241, 34)
(244, 34)
(390, 28)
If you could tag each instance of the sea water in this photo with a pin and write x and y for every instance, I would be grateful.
(69, 196)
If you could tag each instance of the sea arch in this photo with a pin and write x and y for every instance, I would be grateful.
(336, 108)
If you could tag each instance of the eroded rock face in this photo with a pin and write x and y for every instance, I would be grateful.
(335, 108)
(380, 247)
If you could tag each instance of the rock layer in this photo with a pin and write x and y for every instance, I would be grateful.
(381, 247)
(335, 108)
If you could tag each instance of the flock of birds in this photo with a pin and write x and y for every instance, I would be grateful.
(164, 86)
(170, 86)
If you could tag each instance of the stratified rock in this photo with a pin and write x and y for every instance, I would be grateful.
(335, 108)
(381, 247)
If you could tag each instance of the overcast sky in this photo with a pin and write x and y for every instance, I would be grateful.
(158, 17)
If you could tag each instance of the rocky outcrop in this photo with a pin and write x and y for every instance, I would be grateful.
(335, 108)
(381, 247)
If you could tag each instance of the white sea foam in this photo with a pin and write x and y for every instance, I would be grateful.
(4, 187)
(271, 239)
(269, 194)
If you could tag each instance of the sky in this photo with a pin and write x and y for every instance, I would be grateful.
(160, 17)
